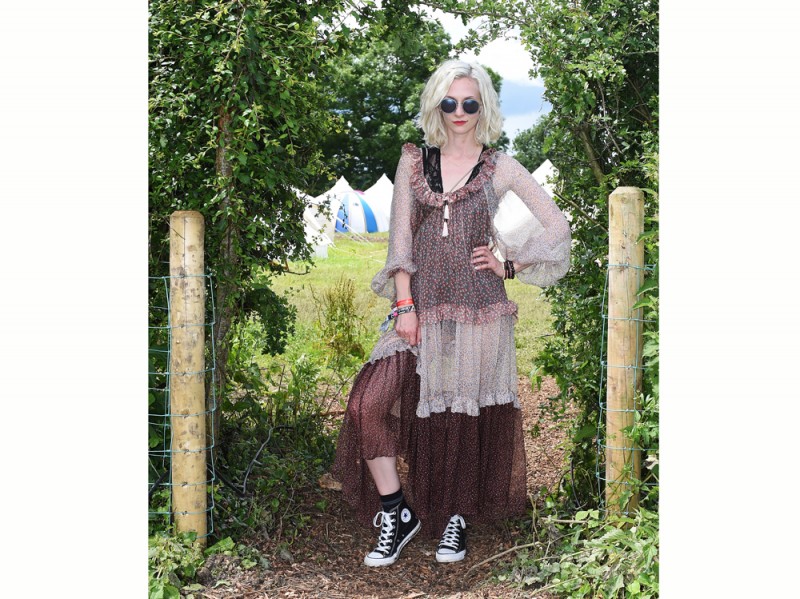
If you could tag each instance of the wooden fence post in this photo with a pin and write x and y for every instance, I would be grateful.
(187, 377)
(624, 360)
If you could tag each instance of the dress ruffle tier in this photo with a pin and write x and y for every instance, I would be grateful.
(457, 464)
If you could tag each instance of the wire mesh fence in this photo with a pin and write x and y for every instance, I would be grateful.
(634, 411)
(161, 443)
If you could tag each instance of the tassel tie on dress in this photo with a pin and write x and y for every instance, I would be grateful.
(446, 211)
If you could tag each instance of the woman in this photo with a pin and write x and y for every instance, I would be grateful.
(440, 389)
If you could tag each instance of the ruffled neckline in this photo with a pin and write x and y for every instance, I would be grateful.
(422, 191)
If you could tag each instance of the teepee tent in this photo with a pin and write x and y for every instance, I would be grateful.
(340, 186)
(512, 213)
(545, 176)
(314, 224)
(514, 220)
(319, 226)
(355, 215)
(352, 211)
(379, 197)
(327, 221)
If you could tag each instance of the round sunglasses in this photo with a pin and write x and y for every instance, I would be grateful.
(470, 106)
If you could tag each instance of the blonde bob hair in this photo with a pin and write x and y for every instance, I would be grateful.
(490, 121)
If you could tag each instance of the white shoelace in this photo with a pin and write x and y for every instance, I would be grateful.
(386, 521)
(452, 533)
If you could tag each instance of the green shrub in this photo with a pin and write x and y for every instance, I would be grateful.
(175, 559)
(341, 326)
(593, 557)
(275, 444)
(173, 562)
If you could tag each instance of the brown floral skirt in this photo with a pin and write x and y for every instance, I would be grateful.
(457, 464)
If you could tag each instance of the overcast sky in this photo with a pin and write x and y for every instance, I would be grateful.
(521, 95)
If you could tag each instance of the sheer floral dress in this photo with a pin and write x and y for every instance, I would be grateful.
(449, 406)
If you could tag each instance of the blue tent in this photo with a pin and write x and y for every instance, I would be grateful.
(355, 214)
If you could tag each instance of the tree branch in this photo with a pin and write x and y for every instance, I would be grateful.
(606, 116)
(641, 107)
(581, 211)
(474, 11)
(501, 554)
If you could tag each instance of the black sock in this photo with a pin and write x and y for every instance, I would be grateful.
(388, 502)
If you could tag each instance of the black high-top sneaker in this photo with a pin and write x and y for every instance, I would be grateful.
(453, 546)
(398, 527)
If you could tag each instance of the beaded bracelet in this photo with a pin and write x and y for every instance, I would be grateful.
(508, 266)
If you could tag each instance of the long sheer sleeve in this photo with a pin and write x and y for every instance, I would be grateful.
(543, 239)
(400, 235)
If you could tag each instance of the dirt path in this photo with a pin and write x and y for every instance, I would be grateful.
(328, 562)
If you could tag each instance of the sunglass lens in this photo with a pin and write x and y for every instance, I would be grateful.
(448, 105)
(471, 106)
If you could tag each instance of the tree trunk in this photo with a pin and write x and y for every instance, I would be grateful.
(228, 260)
(594, 163)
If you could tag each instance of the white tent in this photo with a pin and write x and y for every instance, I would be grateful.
(332, 197)
(341, 185)
(512, 212)
(379, 197)
(351, 210)
(513, 218)
(325, 221)
(319, 225)
(545, 176)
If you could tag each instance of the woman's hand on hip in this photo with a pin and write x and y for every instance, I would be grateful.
(407, 326)
(484, 259)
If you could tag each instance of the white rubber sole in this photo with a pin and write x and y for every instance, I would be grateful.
(388, 561)
(446, 558)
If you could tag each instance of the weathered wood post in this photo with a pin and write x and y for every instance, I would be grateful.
(624, 374)
(187, 378)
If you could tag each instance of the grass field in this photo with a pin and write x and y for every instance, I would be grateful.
(359, 261)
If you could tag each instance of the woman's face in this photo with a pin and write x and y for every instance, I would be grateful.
(459, 122)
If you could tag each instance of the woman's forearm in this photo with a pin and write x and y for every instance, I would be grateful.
(402, 283)
(519, 267)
